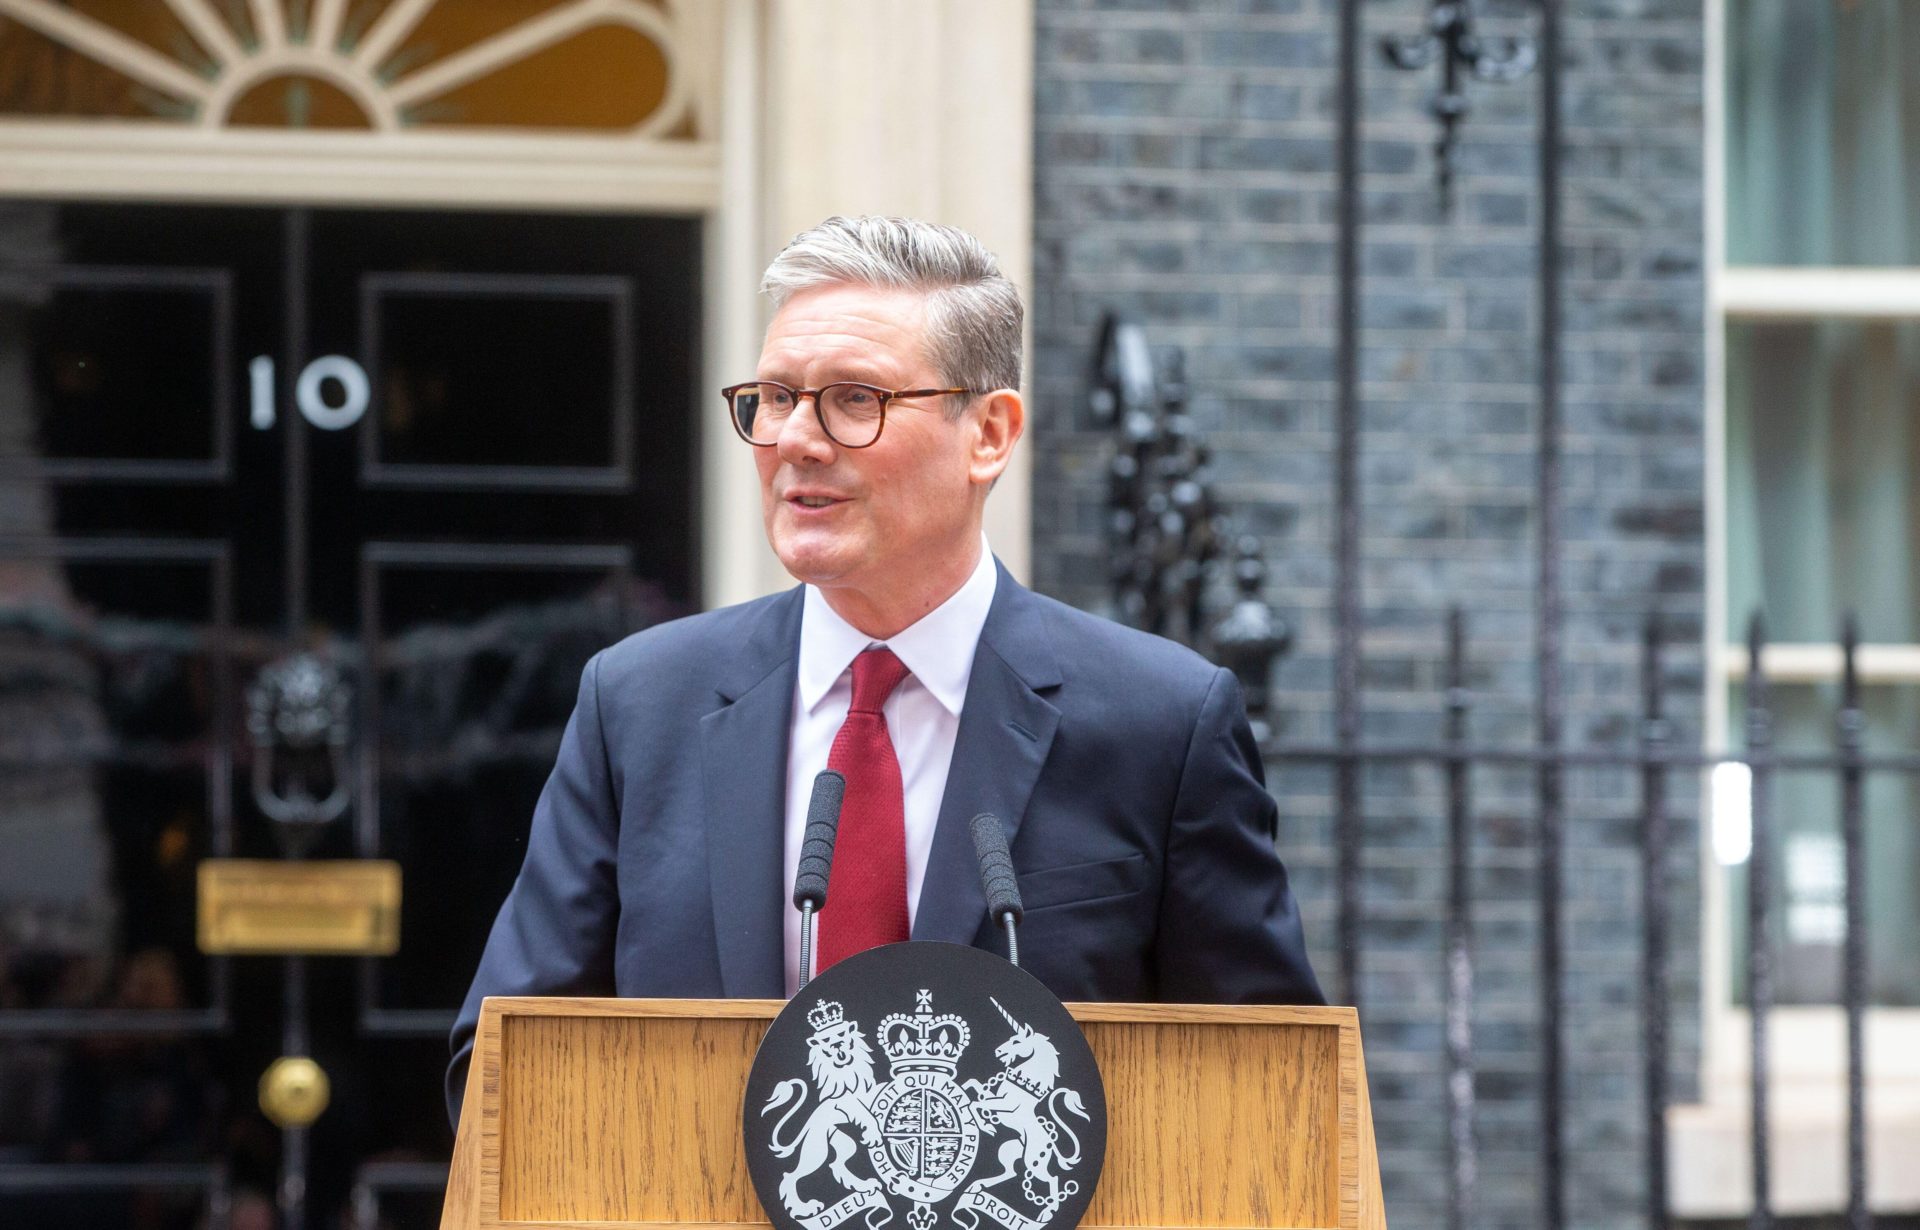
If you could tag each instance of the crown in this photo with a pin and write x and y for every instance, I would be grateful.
(924, 1041)
(828, 1017)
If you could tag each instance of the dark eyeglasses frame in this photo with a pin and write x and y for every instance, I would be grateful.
(886, 399)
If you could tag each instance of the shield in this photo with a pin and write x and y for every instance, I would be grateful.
(929, 1136)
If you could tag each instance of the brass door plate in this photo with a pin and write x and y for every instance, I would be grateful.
(332, 907)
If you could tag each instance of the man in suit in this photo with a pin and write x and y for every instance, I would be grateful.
(1121, 765)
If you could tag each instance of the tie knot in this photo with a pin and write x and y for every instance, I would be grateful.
(876, 673)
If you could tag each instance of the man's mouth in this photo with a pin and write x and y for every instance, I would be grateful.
(814, 501)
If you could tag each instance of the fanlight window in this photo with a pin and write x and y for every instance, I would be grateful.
(607, 66)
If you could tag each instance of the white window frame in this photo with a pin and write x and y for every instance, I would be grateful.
(1710, 1141)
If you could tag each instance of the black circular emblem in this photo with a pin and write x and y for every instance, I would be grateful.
(925, 1082)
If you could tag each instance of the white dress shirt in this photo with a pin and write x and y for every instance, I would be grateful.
(923, 717)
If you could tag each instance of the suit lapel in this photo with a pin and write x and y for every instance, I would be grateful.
(1006, 731)
(743, 750)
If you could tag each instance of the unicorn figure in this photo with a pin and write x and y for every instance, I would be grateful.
(1022, 1099)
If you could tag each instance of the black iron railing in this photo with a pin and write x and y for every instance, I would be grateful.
(1147, 577)
(1656, 753)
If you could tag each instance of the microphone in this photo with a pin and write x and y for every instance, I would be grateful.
(816, 859)
(996, 877)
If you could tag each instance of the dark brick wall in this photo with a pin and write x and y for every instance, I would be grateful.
(1185, 174)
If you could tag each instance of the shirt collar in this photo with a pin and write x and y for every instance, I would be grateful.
(938, 648)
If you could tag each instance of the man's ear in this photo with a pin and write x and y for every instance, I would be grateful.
(998, 423)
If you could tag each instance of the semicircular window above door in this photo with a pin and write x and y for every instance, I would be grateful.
(625, 67)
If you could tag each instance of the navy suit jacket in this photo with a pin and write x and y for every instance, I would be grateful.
(1120, 763)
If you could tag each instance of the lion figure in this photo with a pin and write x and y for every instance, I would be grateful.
(842, 1067)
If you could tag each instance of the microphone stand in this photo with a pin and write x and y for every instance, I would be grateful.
(806, 944)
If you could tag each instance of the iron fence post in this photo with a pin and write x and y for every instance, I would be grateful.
(1654, 842)
(1463, 1157)
(1851, 728)
(1759, 725)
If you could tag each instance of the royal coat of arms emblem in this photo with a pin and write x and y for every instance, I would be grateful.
(941, 1131)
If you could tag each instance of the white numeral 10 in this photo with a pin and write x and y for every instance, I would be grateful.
(355, 391)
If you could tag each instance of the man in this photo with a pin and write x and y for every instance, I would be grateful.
(1121, 765)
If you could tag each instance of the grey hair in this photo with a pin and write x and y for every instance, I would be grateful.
(973, 311)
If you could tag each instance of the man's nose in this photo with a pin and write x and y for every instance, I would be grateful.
(801, 437)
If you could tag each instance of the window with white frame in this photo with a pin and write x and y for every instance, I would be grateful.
(1818, 292)
(1813, 475)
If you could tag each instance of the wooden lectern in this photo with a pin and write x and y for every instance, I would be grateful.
(625, 1113)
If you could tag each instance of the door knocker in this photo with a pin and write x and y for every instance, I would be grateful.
(297, 719)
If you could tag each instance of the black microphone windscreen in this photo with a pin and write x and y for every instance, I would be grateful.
(996, 867)
(816, 844)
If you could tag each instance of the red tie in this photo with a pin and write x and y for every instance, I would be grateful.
(867, 889)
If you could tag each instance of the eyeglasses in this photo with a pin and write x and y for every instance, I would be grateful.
(851, 414)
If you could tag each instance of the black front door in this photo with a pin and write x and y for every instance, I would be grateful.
(435, 459)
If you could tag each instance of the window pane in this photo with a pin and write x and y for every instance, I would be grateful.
(1823, 478)
(480, 668)
(1823, 133)
(124, 365)
(1807, 921)
(104, 798)
(521, 376)
(44, 76)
